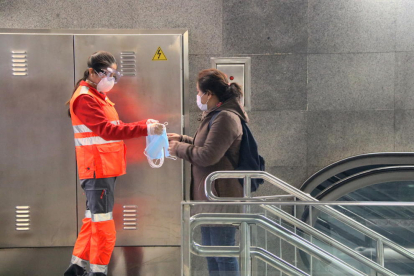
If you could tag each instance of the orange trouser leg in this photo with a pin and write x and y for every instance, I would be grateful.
(102, 244)
(82, 245)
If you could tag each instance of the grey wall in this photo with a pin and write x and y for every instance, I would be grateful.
(330, 78)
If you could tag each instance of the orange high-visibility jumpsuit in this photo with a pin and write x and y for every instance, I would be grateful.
(100, 159)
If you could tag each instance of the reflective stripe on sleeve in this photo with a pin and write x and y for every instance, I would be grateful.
(83, 128)
(93, 141)
(99, 268)
(102, 217)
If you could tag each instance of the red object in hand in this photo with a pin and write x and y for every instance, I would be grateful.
(231, 78)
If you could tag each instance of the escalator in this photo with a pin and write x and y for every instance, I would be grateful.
(383, 177)
(345, 168)
(371, 233)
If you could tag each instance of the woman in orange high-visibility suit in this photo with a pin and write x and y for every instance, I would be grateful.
(100, 156)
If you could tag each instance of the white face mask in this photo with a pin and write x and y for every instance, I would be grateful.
(203, 107)
(106, 84)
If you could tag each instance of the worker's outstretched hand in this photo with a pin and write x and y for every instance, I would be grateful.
(155, 129)
(152, 121)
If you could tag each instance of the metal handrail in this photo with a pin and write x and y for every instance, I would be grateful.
(269, 225)
(325, 238)
(304, 203)
(248, 175)
(275, 261)
(255, 252)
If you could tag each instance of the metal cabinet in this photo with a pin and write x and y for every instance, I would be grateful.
(37, 160)
(147, 204)
(41, 202)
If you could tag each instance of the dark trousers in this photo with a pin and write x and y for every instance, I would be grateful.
(99, 194)
(220, 266)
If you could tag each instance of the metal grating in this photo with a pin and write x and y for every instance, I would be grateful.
(130, 217)
(128, 62)
(19, 63)
(22, 218)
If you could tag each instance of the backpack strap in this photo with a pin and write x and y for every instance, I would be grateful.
(216, 113)
(232, 161)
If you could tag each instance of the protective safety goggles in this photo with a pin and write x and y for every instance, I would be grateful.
(109, 72)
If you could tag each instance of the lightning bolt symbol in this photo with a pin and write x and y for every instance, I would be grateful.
(159, 54)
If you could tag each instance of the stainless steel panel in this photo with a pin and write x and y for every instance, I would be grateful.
(125, 261)
(154, 91)
(37, 161)
(94, 31)
(235, 73)
(186, 116)
(239, 68)
(145, 261)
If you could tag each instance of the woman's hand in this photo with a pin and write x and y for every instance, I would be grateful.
(173, 137)
(173, 148)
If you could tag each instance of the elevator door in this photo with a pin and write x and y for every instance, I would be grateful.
(147, 200)
(37, 160)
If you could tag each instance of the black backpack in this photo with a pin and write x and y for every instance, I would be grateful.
(249, 159)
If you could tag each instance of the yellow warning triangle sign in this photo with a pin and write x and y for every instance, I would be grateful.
(159, 55)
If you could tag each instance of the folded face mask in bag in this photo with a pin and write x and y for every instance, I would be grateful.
(157, 149)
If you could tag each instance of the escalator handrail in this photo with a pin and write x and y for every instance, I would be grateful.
(248, 175)
(380, 158)
(367, 173)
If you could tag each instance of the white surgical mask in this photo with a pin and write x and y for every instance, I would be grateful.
(203, 107)
(106, 84)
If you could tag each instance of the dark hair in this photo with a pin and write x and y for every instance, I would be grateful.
(217, 83)
(97, 61)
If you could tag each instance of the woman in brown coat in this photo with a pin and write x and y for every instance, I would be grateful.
(215, 147)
